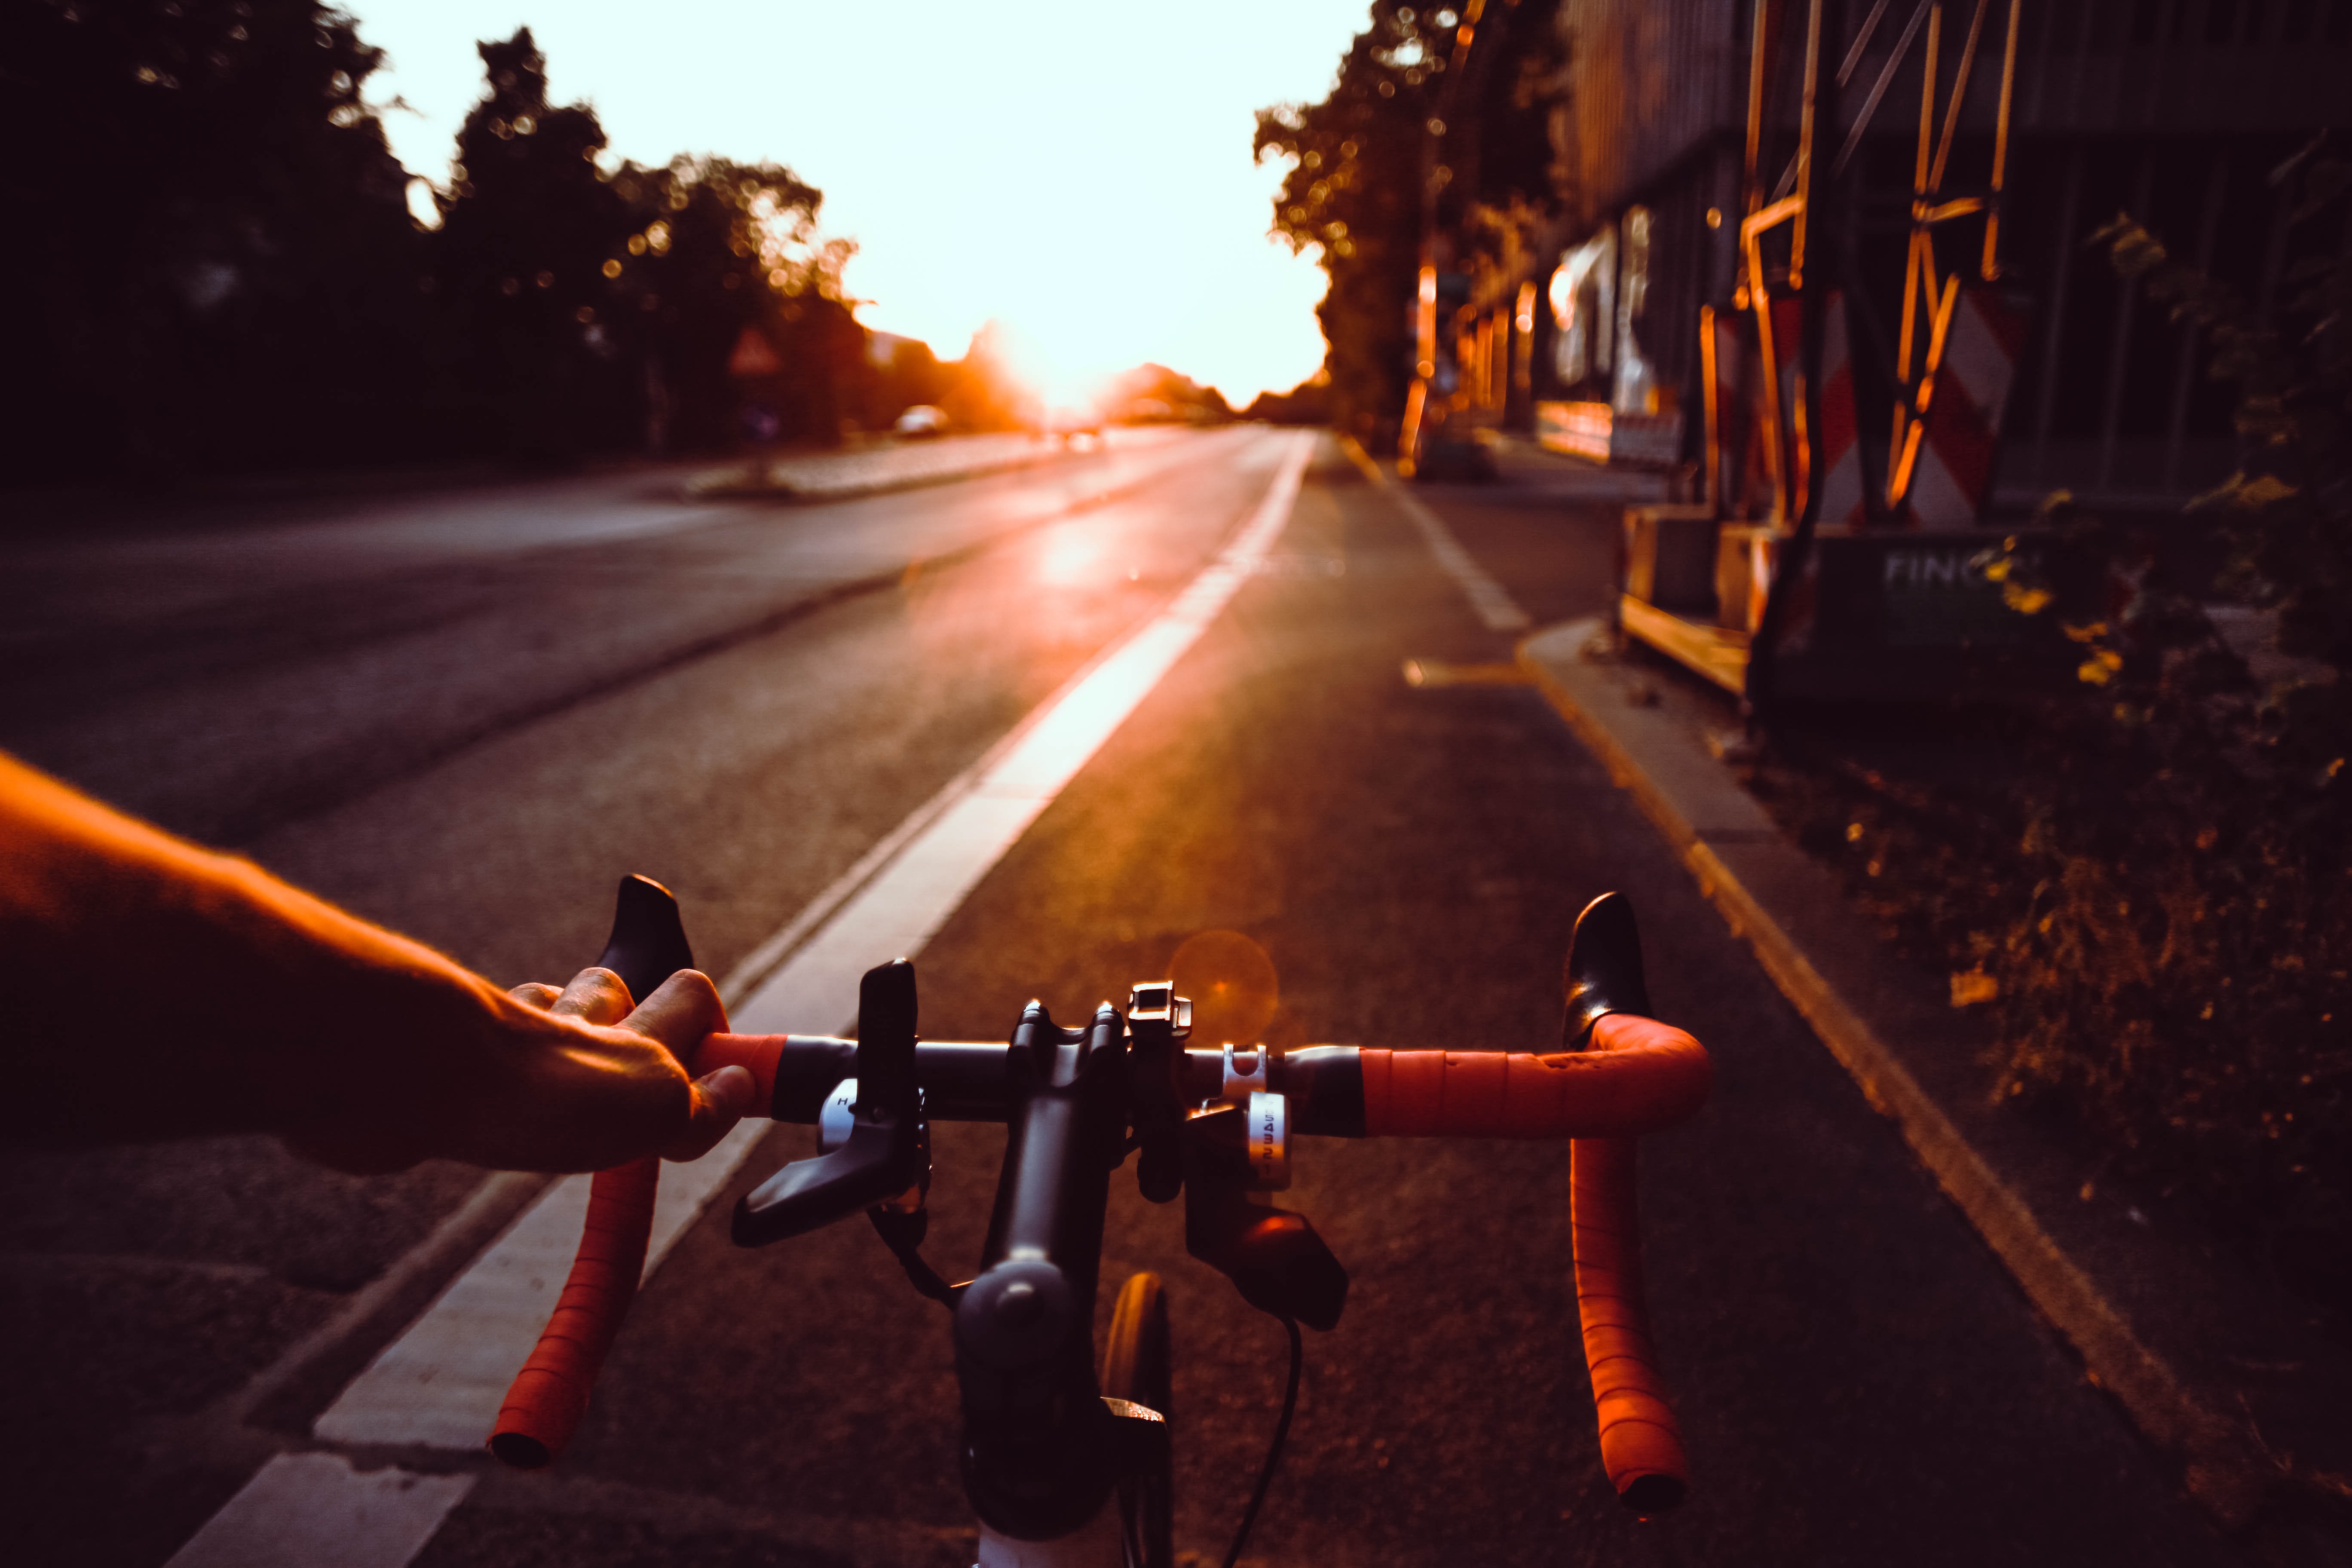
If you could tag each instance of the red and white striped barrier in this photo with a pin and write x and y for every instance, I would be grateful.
(1954, 467)
(1841, 486)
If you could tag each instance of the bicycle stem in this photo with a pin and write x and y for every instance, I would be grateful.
(1040, 1452)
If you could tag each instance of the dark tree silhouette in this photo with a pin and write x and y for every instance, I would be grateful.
(215, 266)
(715, 246)
(212, 262)
(526, 227)
(1353, 194)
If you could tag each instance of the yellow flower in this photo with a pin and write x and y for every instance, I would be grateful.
(2100, 667)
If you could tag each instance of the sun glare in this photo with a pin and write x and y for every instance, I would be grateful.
(1085, 174)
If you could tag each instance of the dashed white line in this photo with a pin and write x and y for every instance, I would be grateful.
(1495, 608)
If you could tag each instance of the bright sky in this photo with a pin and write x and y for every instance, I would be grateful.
(1079, 169)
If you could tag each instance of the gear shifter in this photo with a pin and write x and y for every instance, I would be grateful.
(885, 1153)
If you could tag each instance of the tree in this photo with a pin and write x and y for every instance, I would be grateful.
(212, 262)
(713, 246)
(1353, 194)
(1352, 198)
(527, 227)
(217, 266)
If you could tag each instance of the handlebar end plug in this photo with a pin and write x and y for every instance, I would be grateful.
(1652, 1495)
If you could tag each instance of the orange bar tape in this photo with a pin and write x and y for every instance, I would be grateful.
(757, 1052)
(1640, 1076)
(1641, 1445)
(549, 1395)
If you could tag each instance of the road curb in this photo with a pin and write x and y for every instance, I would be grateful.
(1638, 749)
(734, 485)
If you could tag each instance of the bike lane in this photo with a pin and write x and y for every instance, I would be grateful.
(1859, 1381)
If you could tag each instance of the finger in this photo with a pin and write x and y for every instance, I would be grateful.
(720, 1100)
(681, 1014)
(536, 993)
(594, 997)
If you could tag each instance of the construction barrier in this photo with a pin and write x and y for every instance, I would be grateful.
(1963, 418)
(1843, 504)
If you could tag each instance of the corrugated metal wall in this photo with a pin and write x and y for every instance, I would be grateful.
(1651, 81)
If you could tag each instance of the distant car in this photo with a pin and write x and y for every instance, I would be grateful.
(921, 420)
(1067, 420)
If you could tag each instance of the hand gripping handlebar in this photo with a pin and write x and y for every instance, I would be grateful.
(548, 1397)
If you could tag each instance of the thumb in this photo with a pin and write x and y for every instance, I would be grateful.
(720, 1099)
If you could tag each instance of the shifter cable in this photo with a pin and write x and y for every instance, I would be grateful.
(1273, 1450)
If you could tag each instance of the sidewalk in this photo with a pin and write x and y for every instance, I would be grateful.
(2235, 1378)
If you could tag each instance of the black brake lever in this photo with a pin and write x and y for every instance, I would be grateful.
(1604, 969)
(1273, 1255)
(648, 941)
(885, 1153)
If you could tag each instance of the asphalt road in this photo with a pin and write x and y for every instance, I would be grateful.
(465, 713)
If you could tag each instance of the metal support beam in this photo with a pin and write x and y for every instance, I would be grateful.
(2184, 371)
(2111, 412)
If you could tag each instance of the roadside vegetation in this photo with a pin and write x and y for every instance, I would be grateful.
(2157, 900)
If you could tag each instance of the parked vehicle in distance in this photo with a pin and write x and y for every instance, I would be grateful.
(919, 421)
(1068, 419)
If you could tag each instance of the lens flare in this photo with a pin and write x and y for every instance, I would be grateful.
(1232, 985)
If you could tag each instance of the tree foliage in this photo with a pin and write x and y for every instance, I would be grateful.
(210, 236)
(1352, 198)
(220, 268)
(1353, 194)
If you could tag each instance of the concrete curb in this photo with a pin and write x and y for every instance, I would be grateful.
(736, 484)
(1699, 811)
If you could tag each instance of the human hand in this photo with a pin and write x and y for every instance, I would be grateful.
(561, 1080)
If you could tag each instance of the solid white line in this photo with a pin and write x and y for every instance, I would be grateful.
(908, 900)
(440, 1384)
(306, 1510)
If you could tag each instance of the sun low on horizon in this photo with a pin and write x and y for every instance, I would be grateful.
(1080, 175)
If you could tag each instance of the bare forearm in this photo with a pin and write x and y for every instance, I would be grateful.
(154, 989)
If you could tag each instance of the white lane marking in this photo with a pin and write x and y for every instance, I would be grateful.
(305, 1509)
(908, 899)
(440, 1384)
(1495, 608)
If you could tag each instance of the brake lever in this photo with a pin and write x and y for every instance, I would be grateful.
(1603, 972)
(886, 1151)
(1274, 1256)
